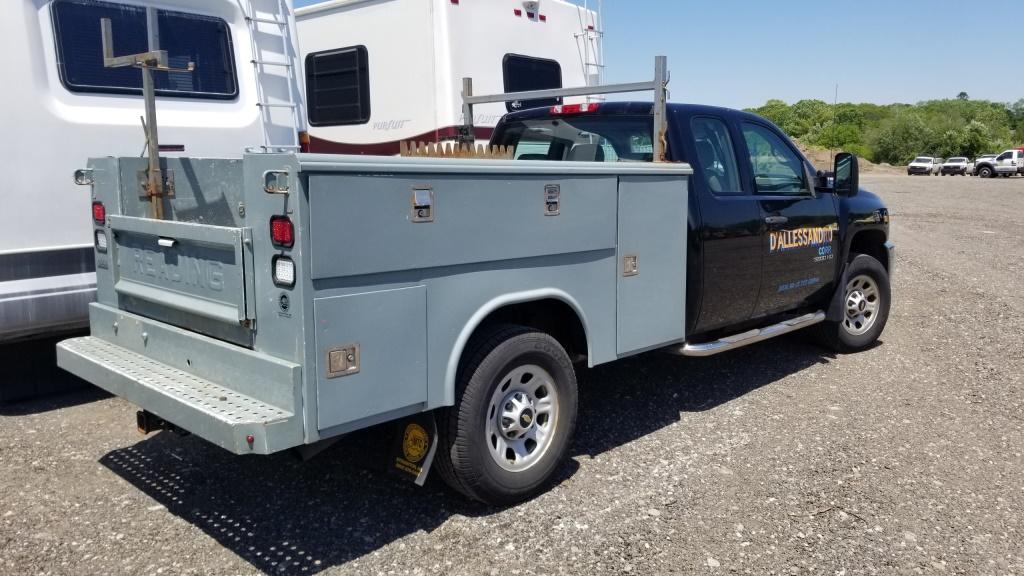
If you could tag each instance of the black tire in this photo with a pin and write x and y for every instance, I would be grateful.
(464, 458)
(836, 334)
(985, 172)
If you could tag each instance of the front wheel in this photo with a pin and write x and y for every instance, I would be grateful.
(866, 303)
(513, 418)
(985, 172)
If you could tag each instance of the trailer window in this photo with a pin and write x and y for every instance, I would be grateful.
(204, 40)
(524, 73)
(338, 87)
(580, 138)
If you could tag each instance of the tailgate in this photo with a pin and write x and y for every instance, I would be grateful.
(177, 270)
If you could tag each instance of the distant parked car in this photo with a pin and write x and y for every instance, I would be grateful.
(984, 158)
(954, 166)
(924, 165)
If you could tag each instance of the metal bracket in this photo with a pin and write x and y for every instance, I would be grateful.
(154, 59)
(167, 176)
(84, 177)
(276, 182)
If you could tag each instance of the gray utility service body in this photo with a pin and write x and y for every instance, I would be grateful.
(397, 261)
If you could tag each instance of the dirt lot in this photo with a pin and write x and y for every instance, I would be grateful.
(778, 459)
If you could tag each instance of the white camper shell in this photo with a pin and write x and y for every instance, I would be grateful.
(380, 72)
(61, 106)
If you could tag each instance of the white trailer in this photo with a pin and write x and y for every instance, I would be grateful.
(380, 72)
(61, 106)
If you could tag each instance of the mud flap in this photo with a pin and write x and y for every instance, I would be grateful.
(836, 311)
(413, 447)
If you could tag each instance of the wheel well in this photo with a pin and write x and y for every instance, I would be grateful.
(551, 316)
(872, 243)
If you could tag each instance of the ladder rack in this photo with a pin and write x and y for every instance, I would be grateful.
(282, 18)
(659, 86)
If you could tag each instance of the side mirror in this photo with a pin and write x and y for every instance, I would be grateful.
(847, 174)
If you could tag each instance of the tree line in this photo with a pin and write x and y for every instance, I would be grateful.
(896, 133)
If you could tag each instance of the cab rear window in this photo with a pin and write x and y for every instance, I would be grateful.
(203, 40)
(580, 138)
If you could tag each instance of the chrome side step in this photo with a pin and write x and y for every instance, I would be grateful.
(757, 335)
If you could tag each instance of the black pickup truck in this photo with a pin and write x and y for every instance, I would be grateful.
(774, 245)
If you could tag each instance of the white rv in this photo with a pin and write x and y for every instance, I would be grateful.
(380, 72)
(61, 106)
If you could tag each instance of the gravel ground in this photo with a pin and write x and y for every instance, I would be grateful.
(777, 459)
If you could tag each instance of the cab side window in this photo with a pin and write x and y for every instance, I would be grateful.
(1005, 156)
(776, 168)
(716, 156)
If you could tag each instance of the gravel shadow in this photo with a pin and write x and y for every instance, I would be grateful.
(285, 516)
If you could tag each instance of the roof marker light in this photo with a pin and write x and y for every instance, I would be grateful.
(565, 109)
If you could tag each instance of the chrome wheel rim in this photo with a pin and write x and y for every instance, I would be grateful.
(862, 301)
(522, 418)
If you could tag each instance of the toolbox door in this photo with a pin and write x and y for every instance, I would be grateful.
(371, 356)
(651, 299)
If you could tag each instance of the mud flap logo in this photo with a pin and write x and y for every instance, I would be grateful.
(414, 445)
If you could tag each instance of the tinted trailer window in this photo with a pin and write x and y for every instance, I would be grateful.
(581, 138)
(338, 87)
(524, 73)
(204, 40)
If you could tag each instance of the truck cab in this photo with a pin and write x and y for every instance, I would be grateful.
(766, 239)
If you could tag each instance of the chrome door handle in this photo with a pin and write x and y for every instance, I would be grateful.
(775, 220)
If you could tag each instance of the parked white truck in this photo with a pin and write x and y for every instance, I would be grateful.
(1009, 163)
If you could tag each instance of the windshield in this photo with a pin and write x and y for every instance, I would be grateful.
(922, 160)
(956, 161)
(580, 138)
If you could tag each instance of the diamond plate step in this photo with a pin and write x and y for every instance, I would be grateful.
(234, 421)
(203, 395)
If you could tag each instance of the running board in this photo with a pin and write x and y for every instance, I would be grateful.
(756, 335)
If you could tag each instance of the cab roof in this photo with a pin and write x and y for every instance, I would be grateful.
(634, 108)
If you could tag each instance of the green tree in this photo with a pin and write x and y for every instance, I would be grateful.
(963, 96)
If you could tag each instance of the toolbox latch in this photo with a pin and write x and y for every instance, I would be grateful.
(343, 361)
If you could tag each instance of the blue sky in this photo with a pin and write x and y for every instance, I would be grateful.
(739, 54)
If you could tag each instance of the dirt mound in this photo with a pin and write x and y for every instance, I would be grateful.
(822, 160)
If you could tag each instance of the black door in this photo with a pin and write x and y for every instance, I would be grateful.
(801, 240)
(730, 226)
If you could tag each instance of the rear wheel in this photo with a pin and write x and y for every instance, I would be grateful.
(513, 418)
(866, 302)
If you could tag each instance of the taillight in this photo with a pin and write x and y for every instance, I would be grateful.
(282, 232)
(99, 213)
(565, 109)
(303, 141)
(284, 271)
(101, 241)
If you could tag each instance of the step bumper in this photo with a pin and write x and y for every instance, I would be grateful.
(211, 411)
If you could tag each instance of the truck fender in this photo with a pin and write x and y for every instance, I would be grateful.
(486, 310)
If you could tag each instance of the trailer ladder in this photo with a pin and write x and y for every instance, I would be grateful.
(281, 17)
(590, 44)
